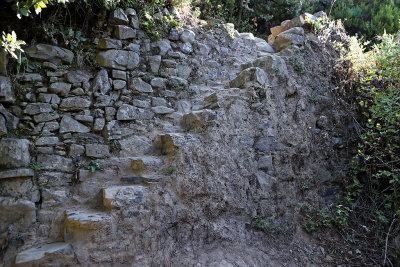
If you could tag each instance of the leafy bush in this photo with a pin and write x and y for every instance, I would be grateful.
(155, 27)
(24, 7)
(65, 36)
(373, 194)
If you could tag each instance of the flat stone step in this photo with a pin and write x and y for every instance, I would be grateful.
(121, 196)
(86, 220)
(39, 256)
(138, 179)
(168, 143)
(151, 161)
(140, 164)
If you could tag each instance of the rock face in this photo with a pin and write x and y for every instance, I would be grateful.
(170, 150)
(255, 77)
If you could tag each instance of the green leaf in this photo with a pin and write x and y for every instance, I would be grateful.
(23, 12)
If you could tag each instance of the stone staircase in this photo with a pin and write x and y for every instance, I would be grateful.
(245, 62)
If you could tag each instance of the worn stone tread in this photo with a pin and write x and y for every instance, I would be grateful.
(30, 257)
(121, 196)
(89, 220)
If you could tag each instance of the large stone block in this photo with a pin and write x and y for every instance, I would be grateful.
(14, 153)
(19, 185)
(54, 54)
(118, 59)
(54, 162)
(44, 117)
(274, 66)
(97, 151)
(119, 16)
(77, 76)
(10, 120)
(123, 32)
(36, 108)
(60, 88)
(6, 94)
(134, 146)
(127, 112)
(123, 196)
(19, 213)
(69, 125)
(292, 36)
(75, 103)
(86, 220)
(108, 43)
(101, 84)
(29, 77)
(188, 36)
(139, 85)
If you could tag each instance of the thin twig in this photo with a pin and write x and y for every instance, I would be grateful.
(387, 238)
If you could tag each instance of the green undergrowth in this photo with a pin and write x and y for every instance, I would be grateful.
(267, 224)
(156, 27)
(367, 213)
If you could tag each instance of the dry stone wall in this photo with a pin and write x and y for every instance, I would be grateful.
(149, 159)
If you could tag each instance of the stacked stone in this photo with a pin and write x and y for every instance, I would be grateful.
(141, 71)
(67, 113)
(291, 31)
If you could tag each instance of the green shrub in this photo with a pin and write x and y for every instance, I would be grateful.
(372, 197)
(156, 27)
(269, 224)
(65, 36)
